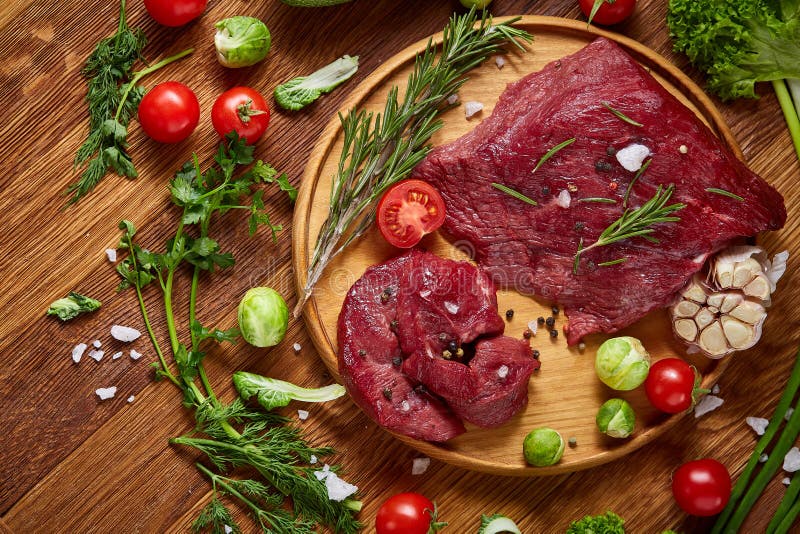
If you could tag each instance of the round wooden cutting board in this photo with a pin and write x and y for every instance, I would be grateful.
(565, 393)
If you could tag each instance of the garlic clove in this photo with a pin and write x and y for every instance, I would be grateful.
(686, 329)
(713, 342)
(730, 301)
(704, 318)
(749, 312)
(695, 292)
(745, 271)
(716, 299)
(740, 335)
(758, 287)
(686, 308)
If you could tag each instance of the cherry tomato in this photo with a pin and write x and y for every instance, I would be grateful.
(405, 513)
(610, 11)
(169, 112)
(241, 109)
(702, 487)
(408, 210)
(175, 12)
(671, 385)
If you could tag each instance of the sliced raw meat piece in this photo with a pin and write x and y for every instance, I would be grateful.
(532, 248)
(370, 360)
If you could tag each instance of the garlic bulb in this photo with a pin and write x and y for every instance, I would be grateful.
(725, 311)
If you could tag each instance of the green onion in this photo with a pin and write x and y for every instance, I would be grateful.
(549, 154)
(723, 193)
(630, 187)
(601, 200)
(787, 521)
(514, 193)
(621, 115)
(785, 508)
(783, 445)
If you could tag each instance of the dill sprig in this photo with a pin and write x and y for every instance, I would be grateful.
(379, 150)
(230, 434)
(550, 153)
(514, 193)
(113, 97)
(633, 223)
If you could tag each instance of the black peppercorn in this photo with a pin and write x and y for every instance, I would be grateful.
(540, 321)
(535, 354)
(397, 361)
(509, 314)
(452, 346)
(554, 333)
(550, 322)
(387, 393)
(554, 309)
(545, 190)
(579, 226)
(610, 150)
(527, 334)
(362, 352)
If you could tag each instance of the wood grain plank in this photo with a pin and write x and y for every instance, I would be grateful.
(73, 464)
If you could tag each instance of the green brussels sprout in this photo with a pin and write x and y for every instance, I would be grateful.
(616, 418)
(241, 41)
(477, 4)
(622, 363)
(263, 317)
(543, 446)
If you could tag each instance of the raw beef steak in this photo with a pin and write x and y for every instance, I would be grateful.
(532, 248)
(396, 323)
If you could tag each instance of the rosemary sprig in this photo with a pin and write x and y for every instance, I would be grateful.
(599, 200)
(379, 150)
(613, 262)
(550, 153)
(113, 97)
(638, 222)
(635, 178)
(514, 193)
(621, 115)
(724, 193)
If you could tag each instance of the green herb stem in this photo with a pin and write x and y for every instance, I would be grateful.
(635, 179)
(790, 113)
(736, 511)
(620, 115)
(788, 519)
(599, 200)
(788, 502)
(550, 153)
(514, 193)
(613, 262)
(724, 193)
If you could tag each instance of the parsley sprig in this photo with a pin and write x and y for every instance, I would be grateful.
(230, 434)
(633, 223)
(113, 97)
(379, 150)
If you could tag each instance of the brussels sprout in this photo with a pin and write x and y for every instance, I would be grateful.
(616, 418)
(241, 41)
(72, 305)
(477, 4)
(263, 317)
(543, 446)
(303, 90)
(622, 363)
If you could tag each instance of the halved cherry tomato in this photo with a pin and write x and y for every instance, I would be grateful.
(407, 513)
(609, 12)
(409, 210)
(242, 109)
(702, 487)
(175, 12)
(169, 112)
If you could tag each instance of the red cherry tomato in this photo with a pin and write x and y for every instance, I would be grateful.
(408, 210)
(175, 12)
(169, 112)
(241, 109)
(405, 513)
(702, 487)
(610, 11)
(670, 385)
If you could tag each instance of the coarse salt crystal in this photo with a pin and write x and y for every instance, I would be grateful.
(106, 393)
(302, 414)
(405, 406)
(500, 61)
(116, 355)
(420, 465)
(338, 489)
(228, 529)
(111, 254)
(789, 412)
(564, 199)
(533, 326)
(124, 333)
(312, 459)
(581, 346)
(77, 351)
(502, 371)
(96, 344)
(786, 481)
(791, 462)
(709, 403)
(131, 398)
(135, 355)
(763, 458)
(323, 474)
(452, 99)
(451, 307)
(96, 355)
(471, 108)
(758, 424)
(632, 156)
(425, 293)
(715, 389)
(297, 347)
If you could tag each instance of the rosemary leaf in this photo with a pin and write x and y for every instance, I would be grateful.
(381, 149)
(621, 115)
(635, 178)
(550, 153)
(724, 193)
(600, 200)
(613, 262)
(636, 223)
(514, 193)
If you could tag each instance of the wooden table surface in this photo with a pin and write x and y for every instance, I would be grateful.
(72, 463)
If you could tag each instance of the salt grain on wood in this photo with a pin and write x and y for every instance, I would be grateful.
(533, 326)
(791, 462)
(131, 398)
(297, 347)
(709, 403)
(452, 99)
(302, 414)
(111, 254)
(106, 393)
(500, 61)
(420, 465)
(116, 355)
(124, 333)
(97, 355)
(77, 351)
(338, 489)
(715, 389)
(135, 355)
(786, 481)
(758, 424)
(471, 108)
(96, 344)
